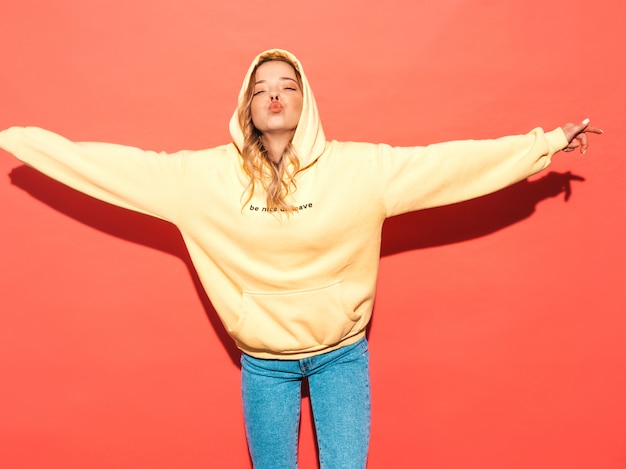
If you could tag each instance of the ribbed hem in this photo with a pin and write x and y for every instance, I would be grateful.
(300, 355)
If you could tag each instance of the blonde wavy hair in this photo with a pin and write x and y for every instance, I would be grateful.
(277, 179)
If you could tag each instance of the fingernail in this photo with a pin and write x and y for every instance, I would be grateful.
(586, 121)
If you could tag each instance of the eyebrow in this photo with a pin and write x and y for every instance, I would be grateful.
(280, 78)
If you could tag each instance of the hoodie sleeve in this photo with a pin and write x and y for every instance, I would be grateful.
(415, 178)
(143, 181)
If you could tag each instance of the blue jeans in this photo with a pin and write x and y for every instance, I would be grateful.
(340, 398)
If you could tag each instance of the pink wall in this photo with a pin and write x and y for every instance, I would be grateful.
(498, 335)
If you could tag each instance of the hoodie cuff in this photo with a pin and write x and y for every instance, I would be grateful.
(9, 139)
(556, 140)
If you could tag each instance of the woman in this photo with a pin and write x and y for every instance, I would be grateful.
(284, 230)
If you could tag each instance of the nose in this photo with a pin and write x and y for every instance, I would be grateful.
(274, 96)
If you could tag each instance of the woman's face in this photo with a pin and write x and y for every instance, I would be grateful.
(277, 98)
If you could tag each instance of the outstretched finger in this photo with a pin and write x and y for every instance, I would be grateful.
(594, 130)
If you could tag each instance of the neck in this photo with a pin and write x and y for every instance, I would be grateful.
(275, 144)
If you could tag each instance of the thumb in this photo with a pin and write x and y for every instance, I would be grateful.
(584, 124)
(572, 130)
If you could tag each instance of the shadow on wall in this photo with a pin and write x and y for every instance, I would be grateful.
(473, 218)
(416, 230)
(122, 223)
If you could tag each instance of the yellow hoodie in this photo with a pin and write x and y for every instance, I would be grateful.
(287, 287)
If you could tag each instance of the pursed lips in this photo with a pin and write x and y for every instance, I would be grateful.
(275, 106)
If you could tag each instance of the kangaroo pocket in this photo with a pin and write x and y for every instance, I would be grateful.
(294, 321)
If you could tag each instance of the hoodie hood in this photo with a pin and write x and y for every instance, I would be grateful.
(308, 140)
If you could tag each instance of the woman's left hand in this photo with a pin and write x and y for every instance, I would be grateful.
(577, 135)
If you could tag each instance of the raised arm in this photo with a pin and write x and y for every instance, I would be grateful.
(415, 178)
(143, 181)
